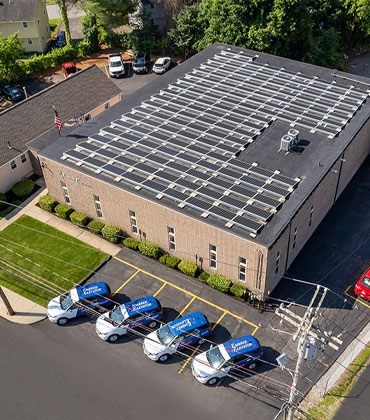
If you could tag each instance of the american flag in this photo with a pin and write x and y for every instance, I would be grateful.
(57, 121)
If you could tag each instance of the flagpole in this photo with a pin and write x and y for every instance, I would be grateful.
(56, 114)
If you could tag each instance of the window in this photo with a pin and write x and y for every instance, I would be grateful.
(65, 192)
(25, 25)
(294, 237)
(24, 159)
(311, 214)
(29, 41)
(151, 5)
(13, 165)
(171, 237)
(242, 268)
(152, 21)
(277, 262)
(98, 209)
(106, 105)
(133, 221)
(212, 256)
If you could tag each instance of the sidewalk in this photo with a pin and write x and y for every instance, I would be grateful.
(28, 312)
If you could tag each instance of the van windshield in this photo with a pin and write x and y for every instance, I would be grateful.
(165, 335)
(116, 315)
(66, 301)
(215, 358)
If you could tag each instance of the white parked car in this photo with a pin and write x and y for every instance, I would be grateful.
(162, 65)
(116, 66)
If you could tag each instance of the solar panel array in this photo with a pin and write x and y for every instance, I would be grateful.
(182, 143)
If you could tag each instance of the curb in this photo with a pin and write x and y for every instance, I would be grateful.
(101, 265)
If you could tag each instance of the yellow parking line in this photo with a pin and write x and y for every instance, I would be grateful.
(188, 360)
(124, 284)
(186, 307)
(106, 70)
(218, 321)
(190, 294)
(158, 291)
(357, 300)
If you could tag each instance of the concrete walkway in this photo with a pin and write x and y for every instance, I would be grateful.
(28, 312)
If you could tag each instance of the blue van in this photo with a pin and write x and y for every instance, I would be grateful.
(144, 312)
(61, 39)
(78, 301)
(210, 366)
(178, 334)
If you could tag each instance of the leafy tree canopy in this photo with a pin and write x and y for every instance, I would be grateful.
(10, 51)
(111, 13)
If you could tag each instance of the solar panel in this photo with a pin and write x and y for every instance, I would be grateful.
(256, 211)
(154, 185)
(254, 226)
(113, 169)
(94, 162)
(134, 177)
(199, 203)
(145, 168)
(211, 193)
(232, 201)
(185, 183)
(74, 154)
(176, 194)
(219, 211)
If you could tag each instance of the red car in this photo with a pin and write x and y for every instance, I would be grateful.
(362, 287)
(68, 69)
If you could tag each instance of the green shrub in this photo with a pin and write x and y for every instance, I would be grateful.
(219, 283)
(22, 188)
(237, 290)
(150, 249)
(112, 232)
(47, 203)
(63, 211)
(78, 218)
(95, 226)
(163, 259)
(203, 276)
(3, 198)
(172, 261)
(188, 267)
(131, 243)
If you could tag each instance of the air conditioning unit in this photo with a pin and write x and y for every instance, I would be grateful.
(294, 133)
(286, 143)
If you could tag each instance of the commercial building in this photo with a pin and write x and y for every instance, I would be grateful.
(231, 159)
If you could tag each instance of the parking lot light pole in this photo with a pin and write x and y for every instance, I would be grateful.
(6, 302)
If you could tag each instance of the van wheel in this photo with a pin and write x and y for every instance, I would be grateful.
(163, 358)
(152, 324)
(62, 321)
(201, 341)
(212, 381)
(252, 365)
(112, 338)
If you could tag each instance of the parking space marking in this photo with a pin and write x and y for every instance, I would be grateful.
(354, 298)
(158, 291)
(218, 321)
(124, 284)
(186, 307)
(190, 294)
(188, 360)
(106, 70)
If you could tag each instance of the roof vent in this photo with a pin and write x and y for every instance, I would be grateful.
(286, 143)
(294, 133)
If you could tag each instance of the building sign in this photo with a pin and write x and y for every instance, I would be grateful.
(71, 178)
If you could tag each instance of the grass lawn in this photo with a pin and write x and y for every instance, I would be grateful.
(54, 26)
(25, 263)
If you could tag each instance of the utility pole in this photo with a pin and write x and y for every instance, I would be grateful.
(6, 302)
(308, 334)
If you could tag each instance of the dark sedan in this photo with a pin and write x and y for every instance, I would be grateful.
(12, 93)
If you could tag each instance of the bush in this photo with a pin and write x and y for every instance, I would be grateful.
(188, 267)
(112, 232)
(150, 249)
(131, 243)
(95, 226)
(163, 259)
(3, 198)
(63, 211)
(203, 276)
(22, 188)
(172, 261)
(219, 283)
(237, 290)
(78, 218)
(47, 203)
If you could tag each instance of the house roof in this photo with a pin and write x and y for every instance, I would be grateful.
(29, 119)
(18, 10)
(205, 139)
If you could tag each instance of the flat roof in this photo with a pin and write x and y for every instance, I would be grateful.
(205, 138)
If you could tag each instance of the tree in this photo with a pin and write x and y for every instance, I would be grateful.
(90, 32)
(111, 13)
(143, 35)
(10, 51)
(63, 12)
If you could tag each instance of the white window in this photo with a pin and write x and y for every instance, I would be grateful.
(65, 192)
(171, 237)
(24, 159)
(294, 237)
(311, 214)
(25, 25)
(13, 165)
(212, 256)
(29, 41)
(242, 268)
(277, 262)
(133, 221)
(98, 209)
